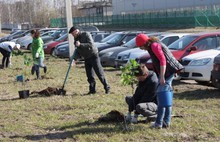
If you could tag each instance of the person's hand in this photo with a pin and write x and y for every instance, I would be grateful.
(73, 63)
(77, 43)
(37, 55)
(128, 117)
(162, 80)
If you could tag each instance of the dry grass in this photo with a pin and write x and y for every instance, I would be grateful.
(74, 117)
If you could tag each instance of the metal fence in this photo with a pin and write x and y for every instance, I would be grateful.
(160, 19)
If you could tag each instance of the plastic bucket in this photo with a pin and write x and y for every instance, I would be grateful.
(23, 94)
(20, 78)
(165, 98)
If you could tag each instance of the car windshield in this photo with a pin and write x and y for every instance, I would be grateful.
(108, 37)
(130, 43)
(63, 37)
(182, 42)
(160, 37)
(115, 39)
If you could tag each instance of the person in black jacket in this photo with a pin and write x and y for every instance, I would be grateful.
(85, 48)
(143, 100)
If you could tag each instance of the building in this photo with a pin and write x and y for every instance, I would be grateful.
(97, 8)
(141, 6)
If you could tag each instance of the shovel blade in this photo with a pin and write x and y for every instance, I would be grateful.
(61, 92)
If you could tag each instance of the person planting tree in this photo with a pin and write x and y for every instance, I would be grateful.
(6, 49)
(143, 100)
(85, 47)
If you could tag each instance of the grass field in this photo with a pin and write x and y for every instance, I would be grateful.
(74, 117)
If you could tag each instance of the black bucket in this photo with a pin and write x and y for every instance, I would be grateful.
(23, 94)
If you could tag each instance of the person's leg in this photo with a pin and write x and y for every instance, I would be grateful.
(37, 69)
(148, 110)
(42, 65)
(96, 64)
(8, 54)
(160, 116)
(4, 54)
(167, 116)
(90, 76)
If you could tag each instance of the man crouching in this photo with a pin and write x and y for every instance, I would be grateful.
(144, 99)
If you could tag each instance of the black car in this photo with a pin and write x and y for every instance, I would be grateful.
(215, 74)
(118, 39)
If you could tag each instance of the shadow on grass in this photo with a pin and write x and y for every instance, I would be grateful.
(198, 94)
(60, 134)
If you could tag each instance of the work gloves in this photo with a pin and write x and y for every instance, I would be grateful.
(37, 55)
(131, 119)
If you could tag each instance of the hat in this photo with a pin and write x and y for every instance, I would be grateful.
(141, 39)
(72, 29)
(18, 46)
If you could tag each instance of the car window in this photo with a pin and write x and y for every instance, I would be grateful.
(63, 37)
(167, 41)
(97, 38)
(218, 40)
(182, 42)
(128, 38)
(130, 43)
(115, 39)
(108, 37)
(206, 43)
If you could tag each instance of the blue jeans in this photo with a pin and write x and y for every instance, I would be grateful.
(164, 113)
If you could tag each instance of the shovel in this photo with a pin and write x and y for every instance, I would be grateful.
(61, 91)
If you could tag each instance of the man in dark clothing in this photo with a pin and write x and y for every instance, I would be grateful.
(85, 47)
(144, 99)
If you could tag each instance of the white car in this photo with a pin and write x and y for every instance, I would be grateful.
(198, 66)
(124, 57)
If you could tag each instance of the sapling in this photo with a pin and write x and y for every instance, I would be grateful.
(128, 74)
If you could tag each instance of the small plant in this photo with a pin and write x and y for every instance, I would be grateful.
(127, 75)
(17, 53)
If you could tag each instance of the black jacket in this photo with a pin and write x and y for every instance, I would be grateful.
(87, 48)
(145, 91)
(172, 65)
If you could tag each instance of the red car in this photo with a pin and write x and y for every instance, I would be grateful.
(188, 44)
(49, 47)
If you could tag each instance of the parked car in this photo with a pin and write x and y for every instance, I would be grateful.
(189, 44)
(99, 36)
(108, 56)
(216, 72)
(12, 36)
(54, 35)
(168, 38)
(61, 50)
(25, 41)
(50, 46)
(119, 39)
(198, 66)
(124, 57)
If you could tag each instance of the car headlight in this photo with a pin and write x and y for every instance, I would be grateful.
(200, 62)
(125, 57)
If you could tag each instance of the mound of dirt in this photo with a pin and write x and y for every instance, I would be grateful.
(47, 92)
(112, 116)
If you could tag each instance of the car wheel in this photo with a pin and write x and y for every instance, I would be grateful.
(216, 83)
(52, 53)
(29, 47)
